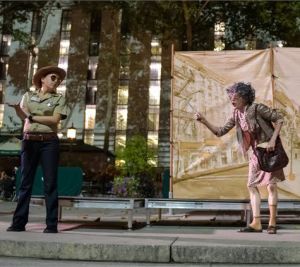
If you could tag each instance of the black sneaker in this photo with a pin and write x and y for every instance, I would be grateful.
(50, 231)
(15, 229)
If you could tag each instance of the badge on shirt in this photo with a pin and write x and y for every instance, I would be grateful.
(50, 104)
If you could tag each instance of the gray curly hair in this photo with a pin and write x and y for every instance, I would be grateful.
(244, 90)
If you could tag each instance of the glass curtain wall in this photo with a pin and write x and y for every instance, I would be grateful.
(5, 46)
(4, 57)
(122, 101)
(154, 94)
(34, 53)
(64, 47)
(91, 89)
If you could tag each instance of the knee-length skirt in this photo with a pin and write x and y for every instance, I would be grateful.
(257, 177)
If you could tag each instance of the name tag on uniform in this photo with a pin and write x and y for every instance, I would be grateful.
(35, 99)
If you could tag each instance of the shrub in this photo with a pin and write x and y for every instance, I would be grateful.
(135, 163)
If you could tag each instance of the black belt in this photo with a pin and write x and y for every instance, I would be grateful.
(39, 136)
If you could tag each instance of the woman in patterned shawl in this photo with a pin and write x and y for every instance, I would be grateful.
(255, 124)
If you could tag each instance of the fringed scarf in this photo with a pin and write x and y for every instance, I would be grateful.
(243, 135)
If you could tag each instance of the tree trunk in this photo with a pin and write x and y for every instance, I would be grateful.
(138, 95)
(108, 77)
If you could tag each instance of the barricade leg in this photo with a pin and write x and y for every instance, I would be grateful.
(148, 213)
(130, 219)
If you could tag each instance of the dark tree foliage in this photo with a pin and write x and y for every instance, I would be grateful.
(192, 22)
(189, 22)
(14, 12)
(261, 20)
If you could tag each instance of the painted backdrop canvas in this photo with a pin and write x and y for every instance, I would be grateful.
(204, 166)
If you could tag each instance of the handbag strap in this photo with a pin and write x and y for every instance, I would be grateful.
(254, 137)
(255, 116)
(278, 139)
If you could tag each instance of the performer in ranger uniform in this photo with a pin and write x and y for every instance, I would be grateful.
(41, 111)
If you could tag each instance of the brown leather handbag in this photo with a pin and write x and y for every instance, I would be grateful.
(273, 160)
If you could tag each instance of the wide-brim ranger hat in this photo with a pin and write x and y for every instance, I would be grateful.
(42, 72)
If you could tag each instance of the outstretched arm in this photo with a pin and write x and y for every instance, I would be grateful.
(218, 131)
(200, 117)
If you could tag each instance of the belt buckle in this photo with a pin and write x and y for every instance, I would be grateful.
(41, 137)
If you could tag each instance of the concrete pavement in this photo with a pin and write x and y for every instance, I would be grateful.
(99, 235)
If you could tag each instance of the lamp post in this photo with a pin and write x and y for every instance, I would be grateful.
(71, 133)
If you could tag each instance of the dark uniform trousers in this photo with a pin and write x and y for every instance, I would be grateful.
(47, 154)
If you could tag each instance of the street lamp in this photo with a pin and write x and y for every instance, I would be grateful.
(71, 133)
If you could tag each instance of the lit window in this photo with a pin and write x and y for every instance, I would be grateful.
(65, 43)
(121, 122)
(64, 40)
(153, 143)
(95, 28)
(63, 62)
(35, 66)
(90, 97)
(66, 21)
(153, 119)
(3, 68)
(90, 115)
(65, 35)
(61, 89)
(154, 93)
(124, 66)
(155, 71)
(36, 26)
(155, 43)
(93, 64)
(280, 43)
(6, 43)
(123, 95)
(219, 29)
(68, 26)
(250, 44)
(120, 140)
(155, 47)
(219, 34)
(63, 50)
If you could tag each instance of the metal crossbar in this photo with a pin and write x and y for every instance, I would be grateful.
(128, 204)
(203, 205)
(291, 206)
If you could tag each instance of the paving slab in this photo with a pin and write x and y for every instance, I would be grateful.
(85, 247)
(188, 244)
(234, 251)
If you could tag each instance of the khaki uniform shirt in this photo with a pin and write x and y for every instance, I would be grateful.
(46, 105)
